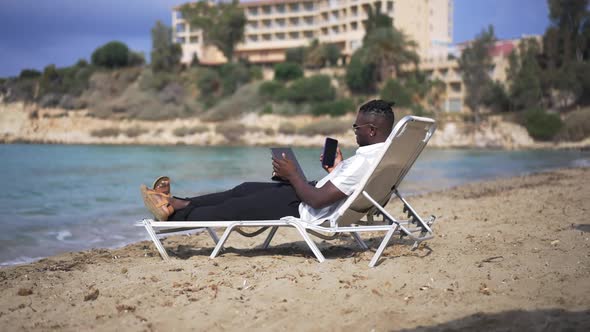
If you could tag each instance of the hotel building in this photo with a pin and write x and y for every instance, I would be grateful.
(276, 25)
(273, 26)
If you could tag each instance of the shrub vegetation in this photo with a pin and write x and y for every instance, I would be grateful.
(542, 125)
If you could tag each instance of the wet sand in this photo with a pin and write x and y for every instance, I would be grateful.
(510, 254)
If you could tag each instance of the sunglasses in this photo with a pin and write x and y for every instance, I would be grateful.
(355, 127)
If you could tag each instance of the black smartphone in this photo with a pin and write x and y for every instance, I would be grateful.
(329, 153)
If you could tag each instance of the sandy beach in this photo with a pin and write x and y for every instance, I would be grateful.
(509, 254)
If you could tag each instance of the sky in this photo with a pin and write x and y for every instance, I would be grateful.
(35, 33)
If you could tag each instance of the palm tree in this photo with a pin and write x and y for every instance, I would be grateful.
(389, 48)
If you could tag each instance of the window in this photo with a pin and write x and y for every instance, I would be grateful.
(253, 38)
(180, 40)
(308, 34)
(456, 87)
(308, 20)
(353, 25)
(308, 6)
(294, 35)
(266, 9)
(194, 39)
(280, 36)
(253, 11)
(280, 9)
(280, 22)
(266, 36)
(294, 21)
(180, 27)
(294, 7)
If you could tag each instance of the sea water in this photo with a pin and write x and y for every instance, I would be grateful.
(58, 198)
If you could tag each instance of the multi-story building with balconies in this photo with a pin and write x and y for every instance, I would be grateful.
(277, 25)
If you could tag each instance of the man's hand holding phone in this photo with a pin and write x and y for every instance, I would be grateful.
(331, 156)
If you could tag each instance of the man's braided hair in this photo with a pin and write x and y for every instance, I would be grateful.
(377, 107)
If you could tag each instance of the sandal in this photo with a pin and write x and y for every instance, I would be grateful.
(157, 203)
(162, 185)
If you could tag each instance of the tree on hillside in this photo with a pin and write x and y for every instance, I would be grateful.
(318, 55)
(375, 20)
(360, 76)
(386, 47)
(113, 54)
(475, 63)
(566, 52)
(222, 24)
(389, 48)
(165, 53)
(524, 73)
(571, 20)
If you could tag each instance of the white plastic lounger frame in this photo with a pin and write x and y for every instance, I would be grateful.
(403, 146)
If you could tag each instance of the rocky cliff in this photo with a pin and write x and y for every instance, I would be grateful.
(28, 123)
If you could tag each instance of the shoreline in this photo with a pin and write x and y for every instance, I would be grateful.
(24, 260)
(507, 254)
(27, 124)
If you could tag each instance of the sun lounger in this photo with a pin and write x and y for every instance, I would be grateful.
(380, 184)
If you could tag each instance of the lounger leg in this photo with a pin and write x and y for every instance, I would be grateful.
(224, 237)
(154, 237)
(384, 243)
(310, 243)
(271, 234)
(358, 240)
(213, 235)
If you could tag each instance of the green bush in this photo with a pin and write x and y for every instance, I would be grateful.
(135, 59)
(267, 109)
(29, 73)
(542, 125)
(188, 131)
(296, 55)
(333, 108)
(287, 71)
(312, 89)
(287, 128)
(270, 89)
(255, 73)
(233, 75)
(105, 132)
(326, 127)
(155, 81)
(245, 100)
(209, 84)
(232, 131)
(576, 126)
(134, 131)
(360, 76)
(113, 54)
(393, 91)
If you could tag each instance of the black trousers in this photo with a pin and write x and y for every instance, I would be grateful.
(248, 201)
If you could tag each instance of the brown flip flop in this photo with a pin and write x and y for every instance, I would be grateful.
(162, 185)
(157, 203)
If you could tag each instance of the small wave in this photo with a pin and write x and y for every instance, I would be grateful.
(581, 163)
(62, 235)
(21, 260)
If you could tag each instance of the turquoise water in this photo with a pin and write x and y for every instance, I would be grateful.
(59, 198)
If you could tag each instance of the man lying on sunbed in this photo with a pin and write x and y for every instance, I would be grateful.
(296, 197)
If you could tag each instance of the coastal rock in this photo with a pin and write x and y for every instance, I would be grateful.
(21, 122)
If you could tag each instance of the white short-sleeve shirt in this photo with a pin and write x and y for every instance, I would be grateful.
(346, 177)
